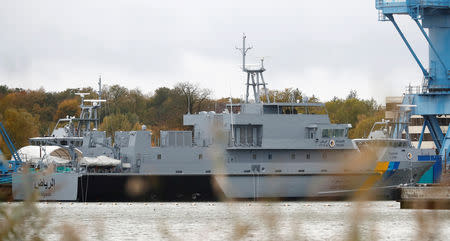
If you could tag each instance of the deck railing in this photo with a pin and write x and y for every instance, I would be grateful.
(421, 3)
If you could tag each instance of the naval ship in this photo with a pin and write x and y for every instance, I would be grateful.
(256, 149)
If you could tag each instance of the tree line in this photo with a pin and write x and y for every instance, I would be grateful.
(29, 113)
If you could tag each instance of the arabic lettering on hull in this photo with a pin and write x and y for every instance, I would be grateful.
(43, 183)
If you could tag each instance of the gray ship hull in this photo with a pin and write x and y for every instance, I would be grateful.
(191, 187)
(205, 187)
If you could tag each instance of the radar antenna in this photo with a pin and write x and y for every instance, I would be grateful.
(255, 76)
(89, 111)
(82, 95)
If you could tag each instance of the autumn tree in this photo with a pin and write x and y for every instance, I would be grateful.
(153, 113)
(117, 99)
(347, 110)
(129, 109)
(194, 96)
(20, 126)
(221, 104)
(68, 107)
(365, 123)
(286, 95)
(115, 122)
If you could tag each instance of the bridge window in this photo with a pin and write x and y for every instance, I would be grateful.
(310, 132)
(332, 133)
(248, 135)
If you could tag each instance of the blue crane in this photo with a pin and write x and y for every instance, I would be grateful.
(433, 98)
(11, 147)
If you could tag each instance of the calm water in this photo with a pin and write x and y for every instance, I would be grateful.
(249, 220)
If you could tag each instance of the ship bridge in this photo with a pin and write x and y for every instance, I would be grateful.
(294, 108)
(269, 126)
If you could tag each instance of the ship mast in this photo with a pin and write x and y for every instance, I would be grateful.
(99, 101)
(255, 76)
(89, 113)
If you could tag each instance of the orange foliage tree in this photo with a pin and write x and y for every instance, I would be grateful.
(20, 126)
(68, 107)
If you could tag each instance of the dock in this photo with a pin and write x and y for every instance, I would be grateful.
(426, 196)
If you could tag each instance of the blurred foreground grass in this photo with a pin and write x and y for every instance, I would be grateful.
(277, 220)
(357, 220)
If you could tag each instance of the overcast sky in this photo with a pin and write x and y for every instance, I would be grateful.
(323, 47)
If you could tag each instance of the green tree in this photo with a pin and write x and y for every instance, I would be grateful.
(4, 90)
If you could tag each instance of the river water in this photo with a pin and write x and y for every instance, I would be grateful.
(381, 220)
